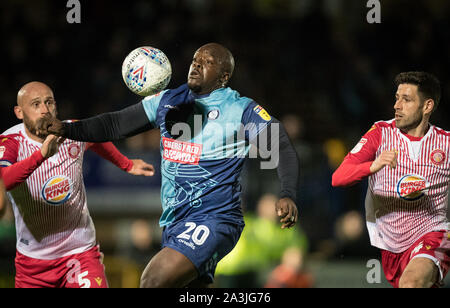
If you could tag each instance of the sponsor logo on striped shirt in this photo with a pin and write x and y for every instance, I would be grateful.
(57, 190)
(411, 187)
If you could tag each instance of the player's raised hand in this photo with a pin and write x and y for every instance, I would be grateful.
(50, 125)
(140, 167)
(50, 146)
(386, 158)
(287, 211)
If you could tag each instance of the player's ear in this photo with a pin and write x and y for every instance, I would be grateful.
(18, 111)
(428, 106)
(225, 78)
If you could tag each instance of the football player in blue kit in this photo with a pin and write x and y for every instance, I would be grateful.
(206, 132)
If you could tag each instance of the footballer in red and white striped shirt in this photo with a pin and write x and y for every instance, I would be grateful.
(407, 162)
(56, 242)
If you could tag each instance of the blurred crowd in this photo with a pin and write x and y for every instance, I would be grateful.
(317, 65)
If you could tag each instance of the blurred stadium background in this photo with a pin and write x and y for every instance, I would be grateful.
(319, 66)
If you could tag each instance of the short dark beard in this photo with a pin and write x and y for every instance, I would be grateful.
(413, 124)
(32, 127)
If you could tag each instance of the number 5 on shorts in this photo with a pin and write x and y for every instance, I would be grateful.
(199, 235)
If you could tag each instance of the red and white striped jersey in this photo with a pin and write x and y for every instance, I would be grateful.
(404, 203)
(50, 207)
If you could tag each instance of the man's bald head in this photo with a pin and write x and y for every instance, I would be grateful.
(34, 101)
(33, 90)
(224, 56)
(211, 68)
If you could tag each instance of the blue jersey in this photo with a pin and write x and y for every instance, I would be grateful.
(204, 142)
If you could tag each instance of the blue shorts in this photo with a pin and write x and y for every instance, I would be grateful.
(204, 241)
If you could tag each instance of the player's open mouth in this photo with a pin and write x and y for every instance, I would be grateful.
(194, 74)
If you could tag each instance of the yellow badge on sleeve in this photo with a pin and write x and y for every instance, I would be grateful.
(262, 113)
(372, 128)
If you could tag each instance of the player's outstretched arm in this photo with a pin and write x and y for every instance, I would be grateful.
(104, 127)
(108, 151)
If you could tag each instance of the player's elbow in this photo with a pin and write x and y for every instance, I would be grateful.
(338, 181)
(335, 181)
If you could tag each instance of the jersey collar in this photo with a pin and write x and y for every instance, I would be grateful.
(412, 138)
(208, 98)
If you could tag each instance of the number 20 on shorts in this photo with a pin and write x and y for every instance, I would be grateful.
(198, 234)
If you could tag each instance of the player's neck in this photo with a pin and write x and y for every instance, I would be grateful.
(418, 131)
(33, 136)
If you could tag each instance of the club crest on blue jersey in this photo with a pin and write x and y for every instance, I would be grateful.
(213, 114)
(411, 187)
(57, 190)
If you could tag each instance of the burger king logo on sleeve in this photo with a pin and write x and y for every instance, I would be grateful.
(57, 190)
(411, 187)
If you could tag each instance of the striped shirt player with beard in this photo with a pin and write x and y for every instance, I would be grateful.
(56, 243)
(407, 162)
(200, 194)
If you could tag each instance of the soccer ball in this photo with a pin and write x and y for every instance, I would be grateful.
(146, 71)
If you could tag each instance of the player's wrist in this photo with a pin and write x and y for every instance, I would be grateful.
(38, 156)
(374, 167)
(63, 129)
(129, 165)
(286, 195)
